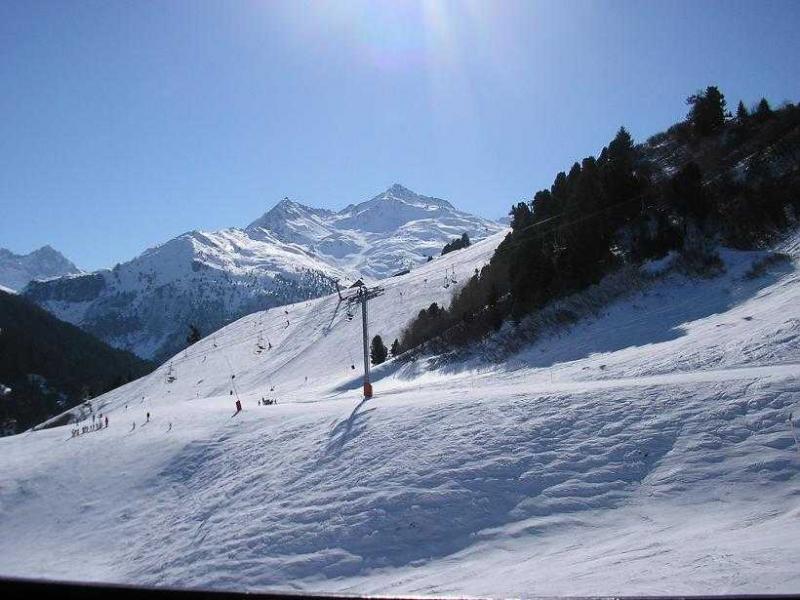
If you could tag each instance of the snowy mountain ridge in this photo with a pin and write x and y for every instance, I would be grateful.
(292, 253)
(376, 238)
(16, 270)
(206, 279)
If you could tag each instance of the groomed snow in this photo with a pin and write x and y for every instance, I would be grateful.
(645, 450)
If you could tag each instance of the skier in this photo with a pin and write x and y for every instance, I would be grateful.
(133, 426)
(148, 418)
(106, 421)
(170, 426)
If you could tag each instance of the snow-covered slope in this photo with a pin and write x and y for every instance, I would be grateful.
(377, 238)
(644, 450)
(16, 270)
(292, 253)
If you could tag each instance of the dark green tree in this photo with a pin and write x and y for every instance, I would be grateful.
(764, 110)
(456, 244)
(619, 179)
(396, 350)
(690, 198)
(741, 112)
(194, 335)
(707, 113)
(521, 215)
(378, 352)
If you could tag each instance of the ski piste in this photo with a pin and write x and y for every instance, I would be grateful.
(645, 448)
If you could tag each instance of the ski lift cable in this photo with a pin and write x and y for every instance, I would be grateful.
(282, 327)
(233, 379)
(236, 342)
(550, 222)
(241, 340)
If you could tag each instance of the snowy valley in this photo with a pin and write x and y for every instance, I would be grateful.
(645, 449)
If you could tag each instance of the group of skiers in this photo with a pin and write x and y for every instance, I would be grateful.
(98, 423)
(267, 401)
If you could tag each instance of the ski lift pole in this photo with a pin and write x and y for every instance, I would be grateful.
(365, 331)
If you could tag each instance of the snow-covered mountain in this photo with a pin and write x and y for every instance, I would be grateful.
(206, 279)
(290, 254)
(391, 232)
(16, 270)
(644, 449)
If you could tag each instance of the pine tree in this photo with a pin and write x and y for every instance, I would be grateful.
(764, 110)
(708, 110)
(741, 113)
(690, 198)
(194, 335)
(520, 215)
(396, 350)
(456, 244)
(618, 177)
(378, 352)
(543, 204)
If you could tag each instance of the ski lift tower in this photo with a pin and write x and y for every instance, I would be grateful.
(365, 294)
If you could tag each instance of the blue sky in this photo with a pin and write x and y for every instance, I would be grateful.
(127, 123)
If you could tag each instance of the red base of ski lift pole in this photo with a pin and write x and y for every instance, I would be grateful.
(367, 390)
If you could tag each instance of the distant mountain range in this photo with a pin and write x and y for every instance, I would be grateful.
(16, 270)
(290, 254)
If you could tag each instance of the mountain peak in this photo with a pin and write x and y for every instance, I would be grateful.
(47, 250)
(16, 270)
(276, 216)
(398, 189)
(398, 192)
